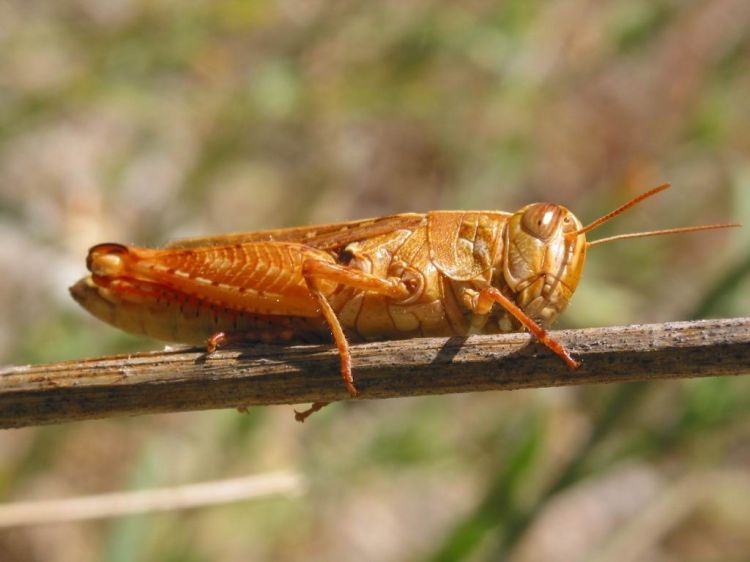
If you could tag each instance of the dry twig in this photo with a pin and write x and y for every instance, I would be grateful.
(145, 501)
(170, 381)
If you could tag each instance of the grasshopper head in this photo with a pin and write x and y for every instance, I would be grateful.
(543, 259)
(545, 247)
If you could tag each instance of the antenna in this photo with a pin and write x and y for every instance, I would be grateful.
(651, 192)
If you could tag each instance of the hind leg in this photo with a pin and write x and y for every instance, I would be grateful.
(313, 270)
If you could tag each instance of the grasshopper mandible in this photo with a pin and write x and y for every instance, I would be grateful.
(441, 273)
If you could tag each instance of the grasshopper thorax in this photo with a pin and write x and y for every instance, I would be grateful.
(543, 259)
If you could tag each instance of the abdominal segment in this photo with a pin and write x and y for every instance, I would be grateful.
(167, 315)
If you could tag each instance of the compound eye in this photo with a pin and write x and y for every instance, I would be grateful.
(541, 220)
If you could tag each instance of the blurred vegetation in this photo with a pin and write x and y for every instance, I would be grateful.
(144, 121)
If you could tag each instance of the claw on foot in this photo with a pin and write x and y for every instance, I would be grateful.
(350, 388)
(216, 341)
(303, 415)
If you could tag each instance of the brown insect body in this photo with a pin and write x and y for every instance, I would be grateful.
(256, 288)
(435, 274)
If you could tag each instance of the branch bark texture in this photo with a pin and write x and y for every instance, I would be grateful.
(170, 381)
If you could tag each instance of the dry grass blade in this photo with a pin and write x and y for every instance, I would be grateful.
(143, 501)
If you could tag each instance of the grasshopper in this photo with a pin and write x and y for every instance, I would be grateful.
(443, 273)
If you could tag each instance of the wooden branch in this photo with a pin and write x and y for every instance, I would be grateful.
(171, 381)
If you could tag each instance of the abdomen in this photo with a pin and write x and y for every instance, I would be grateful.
(171, 316)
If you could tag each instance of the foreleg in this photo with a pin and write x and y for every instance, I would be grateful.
(488, 296)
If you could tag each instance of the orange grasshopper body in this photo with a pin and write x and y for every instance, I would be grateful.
(437, 274)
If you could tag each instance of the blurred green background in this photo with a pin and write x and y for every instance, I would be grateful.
(137, 121)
